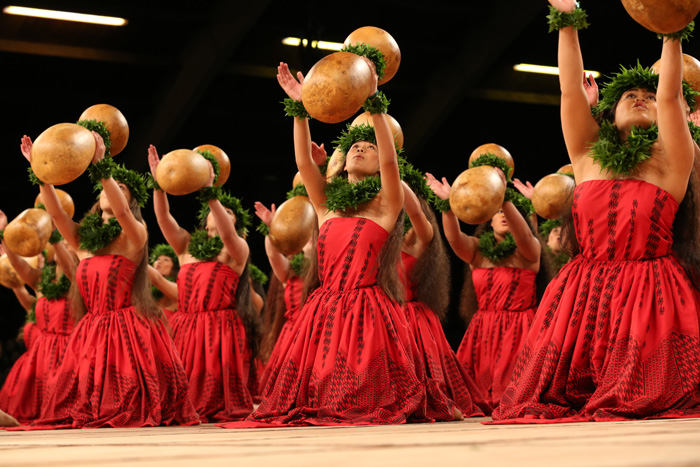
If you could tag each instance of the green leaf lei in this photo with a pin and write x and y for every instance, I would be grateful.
(152, 183)
(101, 129)
(520, 201)
(442, 205)
(228, 201)
(622, 157)
(214, 163)
(204, 248)
(263, 228)
(95, 234)
(683, 35)
(33, 179)
(50, 289)
(494, 251)
(55, 237)
(559, 20)
(494, 161)
(547, 226)
(294, 108)
(297, 263)
(299, 190)
(31, 316)
(257, 275)
(372, 53)
(341, 195)
(376, 104)
(162, 249)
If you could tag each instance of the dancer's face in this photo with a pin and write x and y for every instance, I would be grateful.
(636, 107)
(500, 224)
(104, 202)
(164, 265)
(362, 160)
(554, 239)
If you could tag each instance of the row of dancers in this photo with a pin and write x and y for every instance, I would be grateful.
(615, 335)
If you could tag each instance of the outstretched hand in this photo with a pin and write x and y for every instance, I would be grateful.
(525, 188)
(100, 148)
(565, 6)
(3, 220)
(289, 84)
(264, 213)
(591, 88)
(153, 160)
(26, 148)
(695, 117)
(440, 188)
(318, 153)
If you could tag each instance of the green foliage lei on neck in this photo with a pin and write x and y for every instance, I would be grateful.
(297, 263)
(95, 234)
(341, 195)
(203, 247)
(50, 289)
(613, 154)
(372, 53)
(257, 275)
(494, 251)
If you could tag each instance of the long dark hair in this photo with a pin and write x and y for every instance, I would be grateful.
(431, 288)
(468, 303)
(141, 294)
(273, 318)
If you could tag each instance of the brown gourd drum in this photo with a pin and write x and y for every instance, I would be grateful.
(552, 196)
(477, 194)
(115, 123)
(691, 73)
(28, 233)
(221, 158)
(292, 225)
(496, 150)
(396, 130)
(64, 198)
(662, 16)
(62, 153)
(182, 172)
(382, 40)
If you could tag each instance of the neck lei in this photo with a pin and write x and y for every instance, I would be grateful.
(494, 251)
(341, 195)
(95, 234)
(619, 156)
(50, 289)
(203, 247)
(297, 263)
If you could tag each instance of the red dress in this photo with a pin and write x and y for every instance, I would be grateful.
(293, 289)
(350, 357)
(211, 339)
(25, 388)
(30, 333)
(119, 369)
(448, 383)
(617, 334)
(507, 299)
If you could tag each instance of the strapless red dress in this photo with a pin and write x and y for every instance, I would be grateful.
(447, 382)
(211, 339)
(616, 335)
(119, 369)
(350, 358)
(25, 388)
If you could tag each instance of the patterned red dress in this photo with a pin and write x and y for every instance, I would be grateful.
(119, 369)
(617, 334)
(293, 289)
(211, 339)
(448, 383)
(507, 299)
(30, 333)
(350, 358)
(25, 388)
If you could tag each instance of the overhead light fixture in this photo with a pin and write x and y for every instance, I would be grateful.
(325, 45)
(547, 70)
(64, 16)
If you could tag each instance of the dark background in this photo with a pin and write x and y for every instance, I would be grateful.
(192, 73)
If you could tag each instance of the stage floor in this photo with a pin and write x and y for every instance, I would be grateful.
(643, 443)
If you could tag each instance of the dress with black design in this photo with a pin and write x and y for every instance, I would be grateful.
(617, 334)
(350, 358)
(211, 339)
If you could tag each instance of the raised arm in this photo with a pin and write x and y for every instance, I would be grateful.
(177, 237)
(314, 181)
(578, 125)
(65, 259)
(278, 261)
(464, 246)
(25, 299)
(168, 288)
(420, 223)
(29, 274)
(392, 191)
(525, 240)
(674, 135)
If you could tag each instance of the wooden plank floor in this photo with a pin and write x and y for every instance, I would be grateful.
(644, 443)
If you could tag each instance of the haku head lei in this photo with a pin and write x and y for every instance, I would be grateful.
(132, 179)
(372, 53)
(243, 218)
(637, 77)
(547, 226)
(257, 275)
(163, 249)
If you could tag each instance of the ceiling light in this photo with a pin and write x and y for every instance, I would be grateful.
(547, 70)
(64, 16)
(325, 45)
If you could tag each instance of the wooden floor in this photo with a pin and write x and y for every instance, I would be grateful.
(645, 443)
